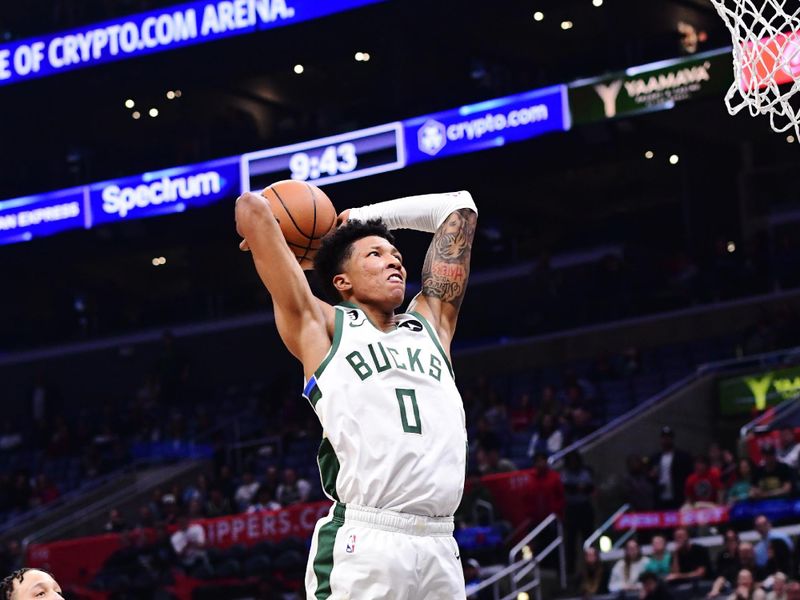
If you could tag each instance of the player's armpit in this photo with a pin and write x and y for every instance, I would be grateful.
(446, 270)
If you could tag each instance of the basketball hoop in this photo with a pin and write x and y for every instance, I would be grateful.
(766, 59)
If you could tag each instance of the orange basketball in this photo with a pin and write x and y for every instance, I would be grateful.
(305, 214)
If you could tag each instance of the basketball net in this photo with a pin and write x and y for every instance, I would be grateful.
(766, 59)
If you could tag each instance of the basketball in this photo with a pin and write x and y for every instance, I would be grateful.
(305, 214)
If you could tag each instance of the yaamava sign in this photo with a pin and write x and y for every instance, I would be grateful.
(755, 392)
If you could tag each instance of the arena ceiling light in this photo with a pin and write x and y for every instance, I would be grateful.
(538, 16)
(362, 56)
(298, 69)
(171, 95)
(129, 103)
(649, 154)
(153, 112)
(136, 114)
(674, 159)
(565, 25)
(597, 3)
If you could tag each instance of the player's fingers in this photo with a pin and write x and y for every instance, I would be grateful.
(342, 218)
(243, 246)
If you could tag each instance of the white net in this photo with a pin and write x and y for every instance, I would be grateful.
(766, 59)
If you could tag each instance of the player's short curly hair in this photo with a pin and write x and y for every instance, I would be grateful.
(337, 247)
(7, 584)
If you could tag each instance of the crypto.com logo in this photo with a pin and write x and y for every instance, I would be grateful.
(431, 137)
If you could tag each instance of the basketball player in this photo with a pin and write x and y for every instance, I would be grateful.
(30, 584)
(394, 446)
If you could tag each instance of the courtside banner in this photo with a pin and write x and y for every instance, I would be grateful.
(691, 517)
(23, 219)
(487, 124)
(656, 86)
(164, 192)
(156, 31)
(757, 391)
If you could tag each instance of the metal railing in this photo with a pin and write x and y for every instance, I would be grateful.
(762, 422)
(528, 566)
(783, 356)
(607, 524)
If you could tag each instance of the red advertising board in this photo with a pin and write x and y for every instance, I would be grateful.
(691, 517)
(78, 561)
(760, 64)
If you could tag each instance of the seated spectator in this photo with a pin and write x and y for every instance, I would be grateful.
(773, 479)
(115, 523)
(292, 490)
(789, 449)
(779, 588)
(746, 588)
(660, 561)
(767, 534)
(703, 486)
(689, 561)
(740, 488)
(217, 505)
(626, 571)
(547, 437)
(189, 542)
(652, 588)
(246, 491)
(591, 578)
(638, 490)
(522, 415)
(263, 501)
(728, 563)
(489, 461)
(779, 559)
(793, 590)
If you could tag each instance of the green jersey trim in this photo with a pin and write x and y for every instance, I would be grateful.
(435, 339)
(337, 338)
(323, 560)
(328, 468)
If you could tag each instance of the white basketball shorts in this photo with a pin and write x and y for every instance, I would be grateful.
(363, 553)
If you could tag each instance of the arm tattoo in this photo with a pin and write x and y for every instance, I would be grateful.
(446, 268)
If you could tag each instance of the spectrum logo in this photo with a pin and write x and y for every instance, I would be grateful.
(431, 137)
(122, 200)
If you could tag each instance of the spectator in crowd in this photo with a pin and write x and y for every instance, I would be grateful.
(489, 461)
(669, 469)
(292, 490)
(591, 580)
(793, 590)
(766, 535)
(660, 560)
(703, 486)
(742, 484)
(626, 571)
(189, 542)
(472, 577)
(263, 501)
(550, 491)
(116, 523)
(779, 587)
(652, 587)
(773, 479)
(246, 491)
(746, 588)
(218, 504)
(789, 449)
(522, 415)
(779, 558)
(45, 491)
(689, 561)
(724, 462)
(578, 481)
(547, 438)
(728, 563)
(638, 489)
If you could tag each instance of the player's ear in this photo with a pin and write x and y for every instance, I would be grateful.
(342, 282)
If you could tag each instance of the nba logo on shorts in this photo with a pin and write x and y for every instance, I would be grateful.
(351, 544)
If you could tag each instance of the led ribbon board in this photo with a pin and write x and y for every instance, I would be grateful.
(487, 124)
(156, 31)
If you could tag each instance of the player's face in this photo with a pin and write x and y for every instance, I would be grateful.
(37, 585)
(375, 273)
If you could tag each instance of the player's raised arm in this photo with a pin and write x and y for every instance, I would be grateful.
(452, 219)
(302, 319)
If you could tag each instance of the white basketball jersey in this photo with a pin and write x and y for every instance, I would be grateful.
(394, 433)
